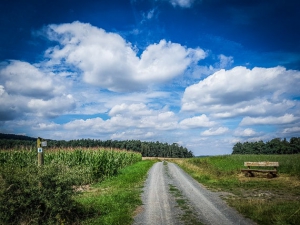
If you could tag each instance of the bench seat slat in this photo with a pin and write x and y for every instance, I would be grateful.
(257, 170)
(275, 164)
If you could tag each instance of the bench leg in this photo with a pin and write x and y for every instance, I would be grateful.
(249, 174)
(271, 175)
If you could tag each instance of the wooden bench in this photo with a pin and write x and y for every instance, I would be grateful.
(271, 172)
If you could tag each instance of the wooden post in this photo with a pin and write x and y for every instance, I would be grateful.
(40, 151)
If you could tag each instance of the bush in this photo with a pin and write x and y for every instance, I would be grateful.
(37, 195)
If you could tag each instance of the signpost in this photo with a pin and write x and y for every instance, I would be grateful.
(40, 143)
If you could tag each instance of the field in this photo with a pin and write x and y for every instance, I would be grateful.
(31, 194)
(266, 201)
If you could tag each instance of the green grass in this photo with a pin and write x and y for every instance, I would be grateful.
(232, 163)
(114, 201)
(266, 201)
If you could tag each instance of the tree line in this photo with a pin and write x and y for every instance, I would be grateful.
(147, 149)
(275, 146)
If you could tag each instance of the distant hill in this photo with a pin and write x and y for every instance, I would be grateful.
(16, 137)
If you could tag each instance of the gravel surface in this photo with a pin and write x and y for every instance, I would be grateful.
(160, 205)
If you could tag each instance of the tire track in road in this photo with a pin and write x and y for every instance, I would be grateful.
(160, 207)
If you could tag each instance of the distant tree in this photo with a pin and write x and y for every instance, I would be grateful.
(274, 146)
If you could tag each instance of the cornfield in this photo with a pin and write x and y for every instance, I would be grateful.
(93, 164)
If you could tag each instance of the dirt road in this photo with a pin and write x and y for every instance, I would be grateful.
(173, 197)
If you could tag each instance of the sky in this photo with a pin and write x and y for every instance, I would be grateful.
(205, 74)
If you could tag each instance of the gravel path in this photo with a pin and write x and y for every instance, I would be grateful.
(167, 185)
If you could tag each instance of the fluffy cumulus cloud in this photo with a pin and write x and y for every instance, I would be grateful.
(215, 131)
(143, 117)
(196, 122)
(259, 98)
(109, 61)
(53, 107)
(26, 90)
(248, 132)
(132, 110)
(241, 91)
(22, 78)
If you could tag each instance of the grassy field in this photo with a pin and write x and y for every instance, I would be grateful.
(266, 201)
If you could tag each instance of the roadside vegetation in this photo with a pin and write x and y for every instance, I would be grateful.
(266, 201)
(118, 199)
(30, 194)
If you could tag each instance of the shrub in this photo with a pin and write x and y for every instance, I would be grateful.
(37, 195)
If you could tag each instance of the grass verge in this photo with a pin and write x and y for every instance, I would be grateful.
(115, 200)
(266, 201)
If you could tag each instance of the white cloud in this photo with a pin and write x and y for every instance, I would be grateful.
(136, 134)
(225, 61)
(47, 126)
(80, 124)
(182, 3)
(11, 106)
(241, 91)
(2, 90)
(292, 130)
(149, 15)
(255, 107)
(215, 131)
(129, 117)
(196, 122)
(53, 107)
(165, 60)
(287, 118)
(248, 132)
(108, 61)
(22, 78)
(132, 110)
(26, 89)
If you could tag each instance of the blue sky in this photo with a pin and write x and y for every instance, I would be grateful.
(201, 73)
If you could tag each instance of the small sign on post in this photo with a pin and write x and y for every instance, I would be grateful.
(39, 144)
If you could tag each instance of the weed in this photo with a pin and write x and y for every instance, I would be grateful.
(188, 216)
